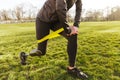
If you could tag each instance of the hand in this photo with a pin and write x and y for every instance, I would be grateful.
(74, 30)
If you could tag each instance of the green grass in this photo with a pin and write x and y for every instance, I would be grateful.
(98, 53)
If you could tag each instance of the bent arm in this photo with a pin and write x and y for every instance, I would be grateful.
(78, 13)
(61, 10)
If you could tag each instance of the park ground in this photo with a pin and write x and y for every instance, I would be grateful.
(98, 53)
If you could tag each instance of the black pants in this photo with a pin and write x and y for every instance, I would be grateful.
(43, 29)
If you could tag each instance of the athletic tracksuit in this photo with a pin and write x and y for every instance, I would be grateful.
(53, 16)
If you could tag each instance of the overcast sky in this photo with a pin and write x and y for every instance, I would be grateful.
(87, 4)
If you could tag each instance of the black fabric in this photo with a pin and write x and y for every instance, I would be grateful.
(56, 10)
(77, 73)
(43, 29)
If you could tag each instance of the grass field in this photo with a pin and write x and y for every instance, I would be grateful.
(98, 53)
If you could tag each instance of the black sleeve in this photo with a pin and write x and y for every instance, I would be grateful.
(78, 13)
(61, 10)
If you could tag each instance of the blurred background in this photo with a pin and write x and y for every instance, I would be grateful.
(26, 10)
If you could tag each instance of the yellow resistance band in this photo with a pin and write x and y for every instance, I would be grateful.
(52, 35)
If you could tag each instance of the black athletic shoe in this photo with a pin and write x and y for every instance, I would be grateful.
(23, 58)
(77, 73)
(35, 52)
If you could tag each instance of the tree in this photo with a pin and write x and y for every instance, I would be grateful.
(95, 15)
(115, 14)
(32, 12)
(0, 16)
(5, 15)
(69, 17)
(19, 12)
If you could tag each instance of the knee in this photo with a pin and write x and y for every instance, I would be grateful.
(72, 38)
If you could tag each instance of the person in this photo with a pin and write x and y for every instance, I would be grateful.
(53, 15)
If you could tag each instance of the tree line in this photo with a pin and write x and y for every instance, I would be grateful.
(20, 12)
(29, 12)
(107, 14)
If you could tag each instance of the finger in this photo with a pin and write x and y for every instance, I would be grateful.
(68, 34)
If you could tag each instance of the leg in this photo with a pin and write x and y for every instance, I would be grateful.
(72, 44)
(42, 29)
(72, 50)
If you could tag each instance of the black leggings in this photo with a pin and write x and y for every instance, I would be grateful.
(43, 29)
